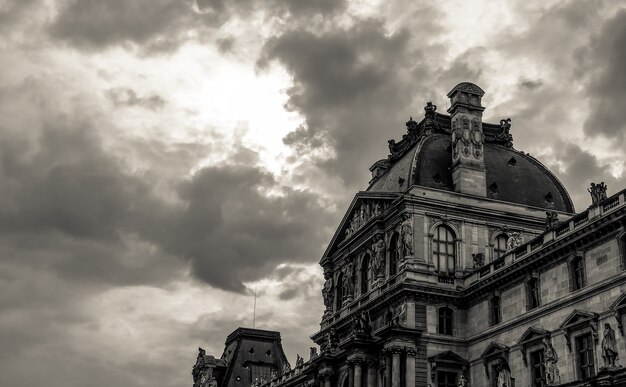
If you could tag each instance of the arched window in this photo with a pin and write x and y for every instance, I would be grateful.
(495, 312)
(499, 246)
(365, 273)
(534, 296)
(445, 321)
(394, 254)
(340, 294)
(444, 254)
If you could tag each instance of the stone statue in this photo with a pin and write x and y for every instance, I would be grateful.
(286, 368)
(299, 361)
(312, 352)
(505, 135)
(462, 380)
(327, 290)
(479, 259)
(406, 233)
(333, 340)
(609, 347)
(552, 374)
(274, 373)
(376, 208)
(348, 280)
(200, 372)
(598, 192)
(361, 325)
(514, 241)
(552, 219)
(503, 378)
(378, 264)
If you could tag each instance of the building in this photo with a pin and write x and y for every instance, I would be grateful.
(464, 263)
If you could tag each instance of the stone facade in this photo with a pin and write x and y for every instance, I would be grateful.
(436, 287)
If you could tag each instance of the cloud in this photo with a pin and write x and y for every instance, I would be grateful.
(577, 169)
(351, 85)
(157, 24)
(121, 96)
(603, 66)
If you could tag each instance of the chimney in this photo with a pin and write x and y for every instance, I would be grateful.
(468, 164)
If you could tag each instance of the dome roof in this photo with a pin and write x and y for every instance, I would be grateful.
(424, 158)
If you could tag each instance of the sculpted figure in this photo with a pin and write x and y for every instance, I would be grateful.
(609, 347)
(327, 290)
(348, 283)
(406, 233)
(479, 259)
(299, 361)
(378, 264)
(462, 380)
(286, 368)
(376, 208)
(552, 219)
(504, 374)
(550, 359)
(598, 192)
(312, 352)
(514, 241)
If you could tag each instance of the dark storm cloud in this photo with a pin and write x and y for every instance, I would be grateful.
(603, 66)
(71, 206)
(355, 88)
(94, 24)
(232, 230)
(577, 169)
(128, 97)
(163, 25)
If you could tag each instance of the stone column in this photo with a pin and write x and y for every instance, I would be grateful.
(395, 367)
(410, 368)
(371, 374)
(358, 377)
(387, 355)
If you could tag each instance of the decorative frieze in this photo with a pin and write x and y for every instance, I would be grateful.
(368, 209)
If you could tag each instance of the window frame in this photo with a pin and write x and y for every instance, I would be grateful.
(534, 366)
(591, 349)
(533, 292)
(573, 269)
(449, 242)
(447, 327)
(495, 317)
(497, 252)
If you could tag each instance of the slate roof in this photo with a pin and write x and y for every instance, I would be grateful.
(518, 177)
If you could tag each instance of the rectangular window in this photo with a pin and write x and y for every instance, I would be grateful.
(260, 372)
(446, 379)
(584, 356)
(533, 293)
(445, 321)
(536, 369)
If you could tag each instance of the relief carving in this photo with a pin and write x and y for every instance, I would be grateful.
(406, 233)
(378, 263)
(363, 213)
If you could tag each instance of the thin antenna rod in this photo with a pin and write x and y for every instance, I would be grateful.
(254, 312)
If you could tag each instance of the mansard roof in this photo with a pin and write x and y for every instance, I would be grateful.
(423, 157)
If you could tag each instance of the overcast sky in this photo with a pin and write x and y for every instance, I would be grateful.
(160, 159)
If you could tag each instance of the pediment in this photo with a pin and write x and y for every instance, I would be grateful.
(494, 349)
(532, 334)
(365, 209)
(620, 303)
(448, 357)
(578, 317)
